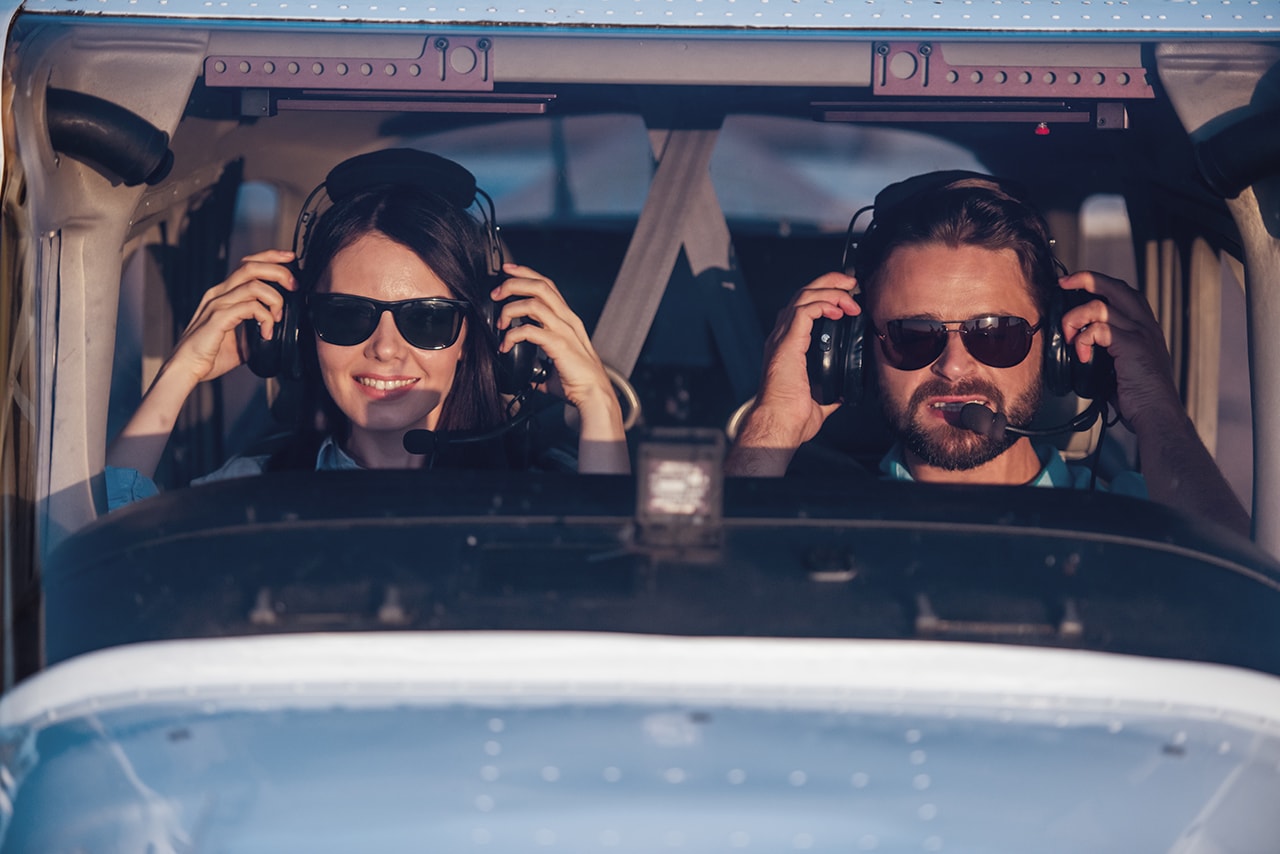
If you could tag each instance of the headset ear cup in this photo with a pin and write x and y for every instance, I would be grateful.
(276, 356)
(1057, 353)
(824, 361)
(834, 360)
(1097, 379)
(262, 355)
(855, 366)
(292, 323)
(1064, 373)
(518, 368)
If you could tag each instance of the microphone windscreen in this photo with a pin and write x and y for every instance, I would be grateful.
(980, 419)
(422, 442)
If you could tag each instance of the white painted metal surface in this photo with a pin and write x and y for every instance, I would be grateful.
(519, 742)
(359, 668)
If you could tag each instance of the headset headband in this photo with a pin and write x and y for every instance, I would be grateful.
(897, 194)
(900, 194)
(422, 170)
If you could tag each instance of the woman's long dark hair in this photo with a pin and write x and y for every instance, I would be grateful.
(453, 244)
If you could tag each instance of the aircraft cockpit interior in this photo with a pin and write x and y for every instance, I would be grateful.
(679, 169)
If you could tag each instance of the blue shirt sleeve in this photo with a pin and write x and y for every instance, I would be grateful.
(125, 486)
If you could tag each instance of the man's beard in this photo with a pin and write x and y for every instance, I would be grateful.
(950, 447)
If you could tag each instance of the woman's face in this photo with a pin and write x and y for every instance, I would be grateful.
(384, 385)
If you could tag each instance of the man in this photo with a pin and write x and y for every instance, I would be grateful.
(944, 249)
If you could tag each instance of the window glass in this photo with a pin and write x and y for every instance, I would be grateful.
(536, 170)
(257, 220)
(782, 171)
(1106, 241)
(814, 175)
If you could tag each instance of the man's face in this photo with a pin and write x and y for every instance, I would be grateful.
(941, 283)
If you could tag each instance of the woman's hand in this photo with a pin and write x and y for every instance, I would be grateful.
(579, 373)
(207, 349)
(785, 415)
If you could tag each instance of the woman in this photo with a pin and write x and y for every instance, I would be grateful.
(395, 289)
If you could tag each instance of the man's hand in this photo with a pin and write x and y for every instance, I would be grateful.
(1177, 466)
(1125, 326)
(785, 415)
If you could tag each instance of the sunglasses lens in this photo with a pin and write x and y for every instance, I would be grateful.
(1000, 342)
(429, 324)
(910, 345)
(345, 321)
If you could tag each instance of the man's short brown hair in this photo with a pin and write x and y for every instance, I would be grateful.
(959, 209)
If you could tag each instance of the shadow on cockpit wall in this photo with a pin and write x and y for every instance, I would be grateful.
(21, 599)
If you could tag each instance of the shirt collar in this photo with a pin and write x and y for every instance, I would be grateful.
(1053, 469)
(331, 457)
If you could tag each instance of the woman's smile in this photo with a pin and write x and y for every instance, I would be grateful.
(382, 388)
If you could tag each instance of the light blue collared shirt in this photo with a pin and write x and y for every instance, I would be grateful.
(1055, 473)
(125, 486)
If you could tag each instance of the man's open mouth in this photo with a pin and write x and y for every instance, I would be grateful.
(949, 410)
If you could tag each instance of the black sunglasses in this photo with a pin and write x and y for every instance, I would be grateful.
(428, 324)
(999, 342)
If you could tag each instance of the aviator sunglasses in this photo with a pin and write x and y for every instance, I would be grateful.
(996, 341)
(346, 320)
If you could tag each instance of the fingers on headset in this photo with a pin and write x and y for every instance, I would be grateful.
(1096, 316)
(1115, 292)
(263, 271)
(252, 281)
(225, 315)
(538, 300)
(513, 307)
(535, 333)
(1089, 336)
(252, 304)
(543, 327)
(261, 304)
(526, 282)
(835, 302)
(807, 314)
(271, 256)
(262, 295)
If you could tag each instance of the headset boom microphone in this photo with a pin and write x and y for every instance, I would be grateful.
(980, 419)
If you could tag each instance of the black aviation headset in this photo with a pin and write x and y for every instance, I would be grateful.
(839, 358)
(281, 355)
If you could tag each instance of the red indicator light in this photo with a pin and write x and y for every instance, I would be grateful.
(1042, 129)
